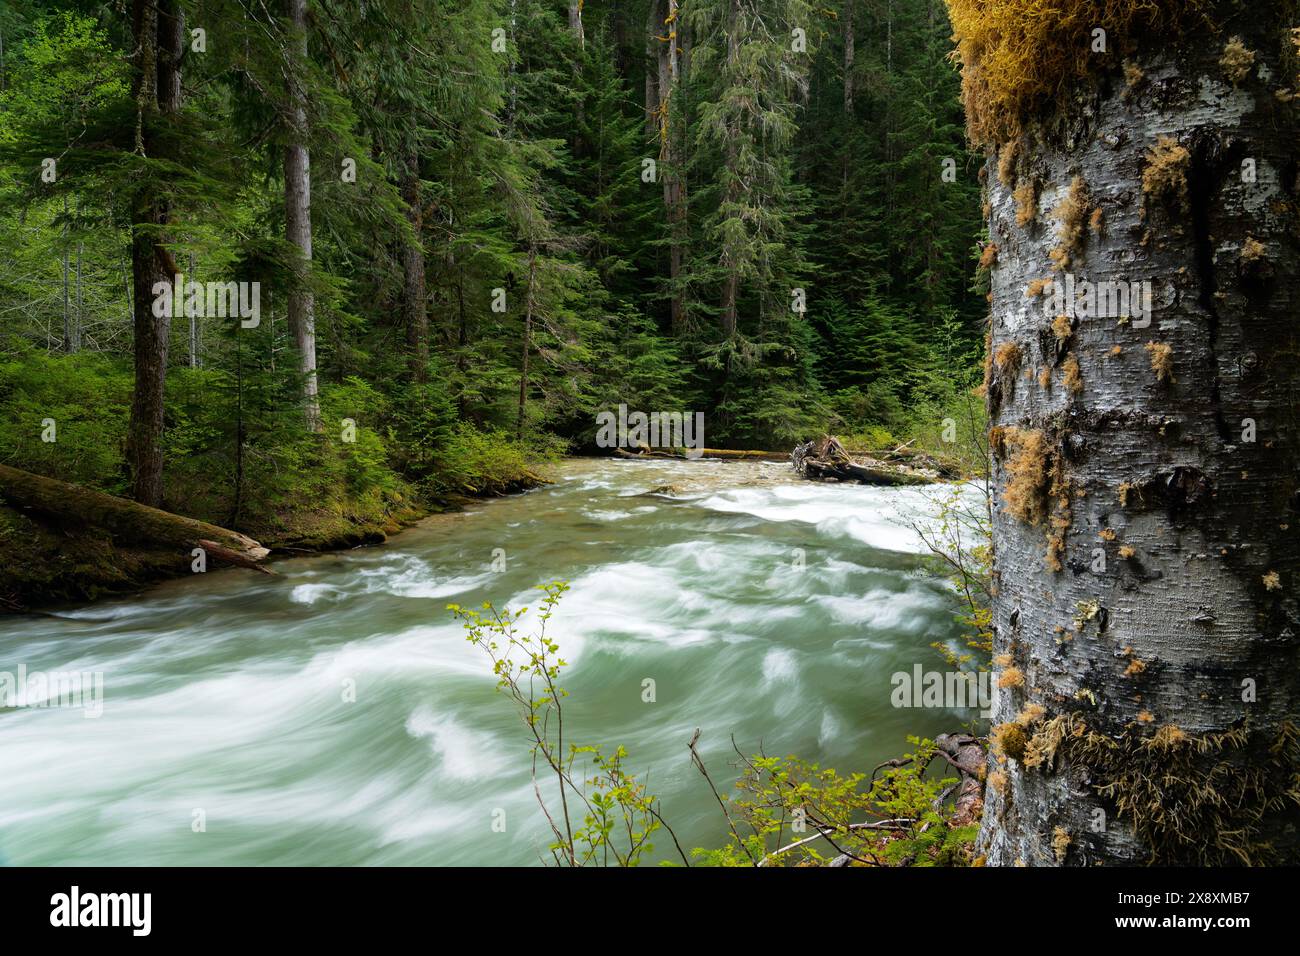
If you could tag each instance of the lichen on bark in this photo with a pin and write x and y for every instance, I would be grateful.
(1186, 452)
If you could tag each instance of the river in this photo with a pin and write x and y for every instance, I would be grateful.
(335, 714)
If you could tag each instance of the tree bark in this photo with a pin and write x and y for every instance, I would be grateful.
(157, 92)
(297, 207)
(653, 20)
(575, 21)
(529, 302)
(731, 279)
(78, 317)
(194, 317)
(1147, 550)
(67, 269)
(414, 303)
(849, 55)
(671, 141)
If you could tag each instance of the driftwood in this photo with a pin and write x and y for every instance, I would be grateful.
(905, 455)
(127, 521)
(826, 459)
(966, 754)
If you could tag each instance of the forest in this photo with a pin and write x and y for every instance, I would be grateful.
(471, 228)
(980, 313)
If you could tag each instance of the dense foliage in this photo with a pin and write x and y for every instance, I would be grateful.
(522, 212)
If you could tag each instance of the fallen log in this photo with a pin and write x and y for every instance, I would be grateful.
(826, 459)
(127, 521)
(695, 454)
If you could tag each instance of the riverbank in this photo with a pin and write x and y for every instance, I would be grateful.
(45, 561)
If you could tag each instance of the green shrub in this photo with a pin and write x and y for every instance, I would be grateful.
(488, 462)
(88, 398)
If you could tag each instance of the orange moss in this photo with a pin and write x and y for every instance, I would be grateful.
(1070, 374)
(1253, 251)
(1007, 163)
(1073, 212)
(1060, 844)
(1020, 56)
(1237, 61)
(1007, 358)
(1031, 714)
(1165, 175)
(1012, 677)
(1008, 739)
(1027, 469)
(1162, 361)
(1026, 199)
(998, 781)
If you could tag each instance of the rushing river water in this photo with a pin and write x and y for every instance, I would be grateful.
(229, 736)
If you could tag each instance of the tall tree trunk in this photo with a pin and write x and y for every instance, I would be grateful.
(731, 277)
(414, 303)
(157, 91)
(297, 208)
(78, 316)
(1147, 509)
(67, 283)
(195, 339)
(575, 21)
(671, 139)
(653, 21)
(529, 302)
(847, 24)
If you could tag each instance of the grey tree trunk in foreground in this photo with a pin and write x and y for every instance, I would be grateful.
(1147, 526)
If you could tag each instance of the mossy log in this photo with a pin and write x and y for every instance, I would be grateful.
(826, 459)
(129, 522)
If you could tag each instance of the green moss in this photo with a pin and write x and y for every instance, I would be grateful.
(1201, 800)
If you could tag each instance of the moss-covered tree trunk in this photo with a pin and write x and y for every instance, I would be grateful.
(1147, 465)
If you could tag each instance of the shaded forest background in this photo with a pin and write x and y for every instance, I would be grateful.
(506, 262)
